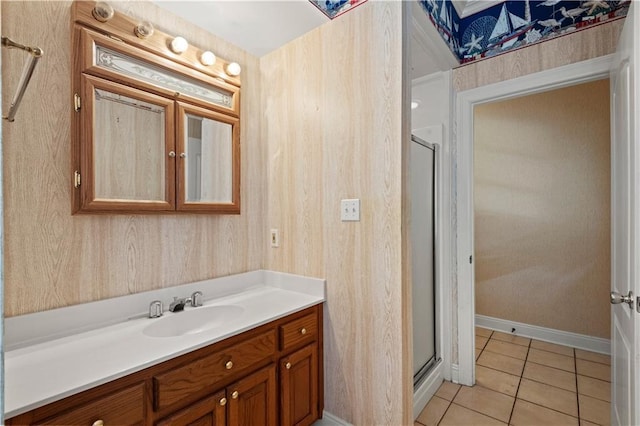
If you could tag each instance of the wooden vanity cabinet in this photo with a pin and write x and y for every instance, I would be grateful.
(211, 411)
(253, 400)
(270, 375)
(299, 387)
(125, 406)
(250, 401)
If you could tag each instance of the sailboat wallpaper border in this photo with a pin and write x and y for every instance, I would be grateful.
(334, 8)
(514, 24)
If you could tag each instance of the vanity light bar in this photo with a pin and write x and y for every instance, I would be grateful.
(101, 16)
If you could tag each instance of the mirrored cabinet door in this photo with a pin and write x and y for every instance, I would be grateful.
(208, 163)
(127, 149)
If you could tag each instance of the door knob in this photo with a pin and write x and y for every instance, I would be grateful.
(617, 298)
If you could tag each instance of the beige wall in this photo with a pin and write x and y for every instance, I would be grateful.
(53, 259)
(542, 203)
(333, 124)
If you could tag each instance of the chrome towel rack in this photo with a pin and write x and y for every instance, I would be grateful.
(27, 72)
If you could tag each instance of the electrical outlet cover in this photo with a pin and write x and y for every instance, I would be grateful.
(350, 210)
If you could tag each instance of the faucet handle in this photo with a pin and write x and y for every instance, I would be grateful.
(196, 298)
(155, 309)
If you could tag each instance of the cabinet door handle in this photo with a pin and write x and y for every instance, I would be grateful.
(303, 331)
(98, 423)
(287, 366)
(172, 154)
(235, 395)
(223, 401)
(229, 365)
(183, 155)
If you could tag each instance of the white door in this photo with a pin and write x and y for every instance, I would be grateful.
(625, 268)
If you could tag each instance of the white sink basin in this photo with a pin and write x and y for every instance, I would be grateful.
(193, 321)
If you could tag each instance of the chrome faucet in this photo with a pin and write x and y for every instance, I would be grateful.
(177, 305)
(195, 300)
(155, 309)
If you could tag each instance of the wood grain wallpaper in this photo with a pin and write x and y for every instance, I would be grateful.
(567, 49)
(333, 125)
(53, 259)
(542, 209)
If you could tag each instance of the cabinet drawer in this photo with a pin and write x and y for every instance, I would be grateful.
(303, 329)
(211, 411)
(125, 407)
(205, 373)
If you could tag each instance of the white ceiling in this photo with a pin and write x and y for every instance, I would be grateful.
(260, 26)
(257, 26)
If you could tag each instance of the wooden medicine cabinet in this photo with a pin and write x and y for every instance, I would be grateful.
(153, 130)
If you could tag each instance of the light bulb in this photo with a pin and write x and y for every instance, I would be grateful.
(179, 45)
(102, 11)
(208, 58)
(233, 69)
(144, 29)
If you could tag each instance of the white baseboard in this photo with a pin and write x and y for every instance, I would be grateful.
(580, 341)
(427, 389)
(455, 376)
(329, 419)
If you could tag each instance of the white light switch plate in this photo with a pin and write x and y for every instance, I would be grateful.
(275, 238)
(350, 210)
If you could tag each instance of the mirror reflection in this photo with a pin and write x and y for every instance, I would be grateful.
(209, 159)
(128, 151)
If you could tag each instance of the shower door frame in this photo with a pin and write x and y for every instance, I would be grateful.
(427, 368)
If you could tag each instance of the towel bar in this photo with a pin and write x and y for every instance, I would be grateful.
(27, 72)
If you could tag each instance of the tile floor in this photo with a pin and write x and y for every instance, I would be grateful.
(521, 381)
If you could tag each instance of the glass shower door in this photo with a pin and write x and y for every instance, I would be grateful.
(423, 256)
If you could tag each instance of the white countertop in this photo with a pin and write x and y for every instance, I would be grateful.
(65, 351)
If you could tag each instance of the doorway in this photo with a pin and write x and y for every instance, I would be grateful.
(542, 215)
(466, 101)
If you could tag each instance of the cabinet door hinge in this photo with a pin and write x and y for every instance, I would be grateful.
(76, 102)
(470, 259)
(76, 179)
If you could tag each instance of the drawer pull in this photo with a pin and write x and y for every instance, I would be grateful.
(98, 423)
(229, 365)
(223, 401)
(287, 366)
(303, 331)
(235, 395)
